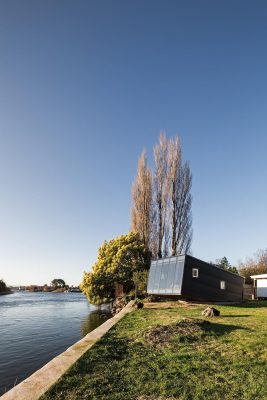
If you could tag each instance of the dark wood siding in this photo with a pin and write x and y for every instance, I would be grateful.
(207, 286)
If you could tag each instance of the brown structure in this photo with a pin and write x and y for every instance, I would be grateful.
(248, 292)
(118, 290)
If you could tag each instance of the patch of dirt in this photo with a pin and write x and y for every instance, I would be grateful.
(187, 330)
(155, 398)
(170, 304)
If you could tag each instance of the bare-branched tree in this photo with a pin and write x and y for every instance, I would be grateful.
(179, 182)
(254, 266)
(142, 212)
(160, 186)
(161, 212)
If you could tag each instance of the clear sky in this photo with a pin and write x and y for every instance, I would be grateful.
(86, 85)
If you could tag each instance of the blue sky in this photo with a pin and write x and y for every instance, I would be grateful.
(86, 85)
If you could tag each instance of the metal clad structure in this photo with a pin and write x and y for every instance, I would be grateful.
(166, 275)
(260, 284)
(262, 288)
(194, 279)
(207, 285)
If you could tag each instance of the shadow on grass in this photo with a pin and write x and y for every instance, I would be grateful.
(250, 304)
(221, 329)
(110, 349)
(97, 364)
(235, 316)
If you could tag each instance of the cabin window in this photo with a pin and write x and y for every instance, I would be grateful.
(222, 285)
(195, 272)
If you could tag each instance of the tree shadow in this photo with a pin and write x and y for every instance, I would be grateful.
(221, 329)
(250, 304)
(235, 316)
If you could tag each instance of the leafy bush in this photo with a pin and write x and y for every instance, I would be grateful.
(3, 287)
(117, 260)
(140, 279)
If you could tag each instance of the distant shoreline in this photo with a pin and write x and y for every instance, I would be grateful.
(47, 290)
(42, 291)
(9, 292)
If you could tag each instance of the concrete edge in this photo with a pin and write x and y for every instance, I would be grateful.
(40, 381)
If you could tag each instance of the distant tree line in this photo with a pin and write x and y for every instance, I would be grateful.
(58, 283)
(161, 200)
(254, 265)
(224, 264)
(55, 285)
(3, 287)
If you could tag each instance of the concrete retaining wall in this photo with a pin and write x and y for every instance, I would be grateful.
(39, 382)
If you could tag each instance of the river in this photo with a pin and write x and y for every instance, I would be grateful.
(35, 327)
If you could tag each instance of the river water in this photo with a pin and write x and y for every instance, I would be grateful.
(35, 327)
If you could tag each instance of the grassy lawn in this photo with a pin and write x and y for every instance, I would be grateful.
(225, 359)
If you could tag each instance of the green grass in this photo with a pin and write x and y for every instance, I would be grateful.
(228, 359)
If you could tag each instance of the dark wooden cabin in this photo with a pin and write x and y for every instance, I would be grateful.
(194, 279)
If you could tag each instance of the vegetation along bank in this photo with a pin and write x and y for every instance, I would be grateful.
(3, 288)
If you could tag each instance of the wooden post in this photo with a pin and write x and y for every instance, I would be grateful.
(254, 289)
(118, 290)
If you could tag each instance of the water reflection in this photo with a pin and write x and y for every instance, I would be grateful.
(93, 320)
(35, 327)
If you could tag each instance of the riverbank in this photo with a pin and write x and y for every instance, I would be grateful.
(41, 380)
(225, 358)
(8, 292)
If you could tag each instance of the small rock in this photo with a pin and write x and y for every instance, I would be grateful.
(211, 312)
(139, 304)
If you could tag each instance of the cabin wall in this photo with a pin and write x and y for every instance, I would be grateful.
(207, 286)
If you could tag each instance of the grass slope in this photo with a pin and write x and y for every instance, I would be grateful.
(226, 359)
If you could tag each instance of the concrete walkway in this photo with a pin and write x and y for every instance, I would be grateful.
(39, 382)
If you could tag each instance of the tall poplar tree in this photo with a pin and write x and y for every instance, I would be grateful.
(180, 181)
(160, 187)
(142, 212)
(161, 212)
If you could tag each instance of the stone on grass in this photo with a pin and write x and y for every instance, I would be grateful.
(211, 312)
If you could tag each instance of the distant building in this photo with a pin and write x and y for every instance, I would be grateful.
(260, 286)
(190, 278)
